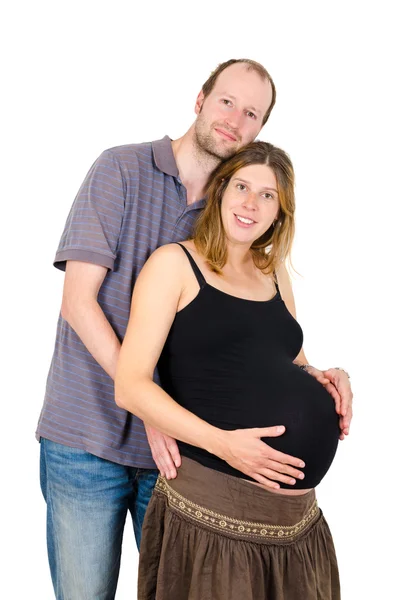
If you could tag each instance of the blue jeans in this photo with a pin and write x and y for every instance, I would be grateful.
(87, 503)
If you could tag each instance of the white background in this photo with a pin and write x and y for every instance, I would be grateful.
(83, 76)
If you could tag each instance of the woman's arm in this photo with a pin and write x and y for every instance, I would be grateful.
(339, 387)
(284, 283)
(157, 292)
(154, 304)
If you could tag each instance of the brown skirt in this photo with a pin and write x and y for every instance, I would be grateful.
(211, 536)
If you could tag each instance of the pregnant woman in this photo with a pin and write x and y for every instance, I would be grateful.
(216, 313)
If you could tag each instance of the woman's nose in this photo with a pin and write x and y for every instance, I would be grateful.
(250, 201)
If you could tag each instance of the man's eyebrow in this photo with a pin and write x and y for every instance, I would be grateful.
(234, 98)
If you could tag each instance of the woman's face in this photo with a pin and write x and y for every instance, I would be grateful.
(250, 204)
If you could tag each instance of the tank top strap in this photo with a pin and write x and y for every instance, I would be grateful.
(276, 282)
(196, 270)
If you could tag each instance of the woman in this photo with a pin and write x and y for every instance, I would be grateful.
(217, 315)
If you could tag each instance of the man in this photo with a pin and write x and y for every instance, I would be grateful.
(96, 462)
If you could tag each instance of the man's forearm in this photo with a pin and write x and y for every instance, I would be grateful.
(89, 322)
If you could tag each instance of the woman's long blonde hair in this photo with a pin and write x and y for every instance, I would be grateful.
(274, 246)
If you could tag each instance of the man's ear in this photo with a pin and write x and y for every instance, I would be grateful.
(199, 103)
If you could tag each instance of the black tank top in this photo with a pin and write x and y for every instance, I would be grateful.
(230, 362)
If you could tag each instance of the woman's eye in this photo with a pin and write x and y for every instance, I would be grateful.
(227, 102)
(241, 186)
(267, 196)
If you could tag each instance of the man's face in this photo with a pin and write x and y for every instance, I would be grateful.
(231, 115)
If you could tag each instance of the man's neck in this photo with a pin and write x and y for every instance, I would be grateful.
(193, 165)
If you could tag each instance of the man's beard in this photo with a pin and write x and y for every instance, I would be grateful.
(205, 140)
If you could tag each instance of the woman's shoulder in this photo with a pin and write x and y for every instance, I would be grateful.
(169, 256)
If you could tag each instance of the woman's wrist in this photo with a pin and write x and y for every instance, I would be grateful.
(217, 442)
(305, 367)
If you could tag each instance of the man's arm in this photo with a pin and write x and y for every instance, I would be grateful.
(335, 381)
(88, 248)
(154, 305)
(81, 310)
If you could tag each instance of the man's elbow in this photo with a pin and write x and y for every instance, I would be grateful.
(69, 307)
(75, 309)
(65, 309)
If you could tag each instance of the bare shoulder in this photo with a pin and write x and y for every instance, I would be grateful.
(283, 277)
(284, 283)
(167, 266)
(168, 255)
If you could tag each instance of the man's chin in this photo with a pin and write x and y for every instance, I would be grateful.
(218, 149)
(224, 151)
(227, 153)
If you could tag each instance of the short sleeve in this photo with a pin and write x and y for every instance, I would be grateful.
(93, 226)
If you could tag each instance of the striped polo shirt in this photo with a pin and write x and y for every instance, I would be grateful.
(131, 202)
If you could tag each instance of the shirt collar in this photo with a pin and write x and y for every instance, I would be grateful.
(164, 156)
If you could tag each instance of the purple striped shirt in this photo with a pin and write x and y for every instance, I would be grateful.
(131, 202)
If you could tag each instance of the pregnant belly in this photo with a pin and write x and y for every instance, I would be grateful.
(289, 397)
(296, 400)
(312, 427)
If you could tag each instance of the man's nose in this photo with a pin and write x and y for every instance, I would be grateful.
(233, 119)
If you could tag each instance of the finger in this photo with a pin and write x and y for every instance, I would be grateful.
(346, 402)
(174, 451)
(336, 397)
(346, 420)
(331, 389)
(171, 472)
(345, 423)
(286, 469)
(275, 476)
(156, 455)
(319, 375)
(280, 457)
(346, 430)
(267, 482)
(166, 463)
(159, 466)
(343, 427)
(268, 431)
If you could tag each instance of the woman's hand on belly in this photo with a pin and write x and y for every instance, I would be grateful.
(337, 385)
(244, 450)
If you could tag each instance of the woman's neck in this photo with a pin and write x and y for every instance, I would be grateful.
(239, 257)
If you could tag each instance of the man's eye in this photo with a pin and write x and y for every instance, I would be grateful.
(227, 102)
(251, 115)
